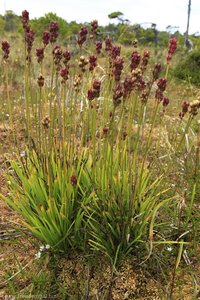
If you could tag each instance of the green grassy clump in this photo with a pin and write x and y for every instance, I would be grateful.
(188, 68)
(94, 176)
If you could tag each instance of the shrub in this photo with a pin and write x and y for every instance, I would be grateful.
(188, 68)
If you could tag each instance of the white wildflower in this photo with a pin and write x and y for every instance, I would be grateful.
(169, 248)
(42, 248)
(38, 255)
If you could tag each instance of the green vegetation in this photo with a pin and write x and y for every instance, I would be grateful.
(188, 68)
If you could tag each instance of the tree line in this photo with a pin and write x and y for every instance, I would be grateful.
(121, 32)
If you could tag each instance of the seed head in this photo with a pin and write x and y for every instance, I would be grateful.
(83, 63)
(194, 106)
(156, 71)
(40, 81)
(46, 122)
(137, 74)
(145, 60)
(118, 92)
(135, 43)
(144, 96)
(77, 82)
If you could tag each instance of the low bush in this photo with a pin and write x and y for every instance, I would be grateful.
(188, 67)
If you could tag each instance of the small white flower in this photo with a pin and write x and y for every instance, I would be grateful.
(47, 246)
(22, 154)
(169, 248)
(38, 255)
(42, 248)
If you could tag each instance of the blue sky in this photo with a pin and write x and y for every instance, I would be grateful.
(161, 12)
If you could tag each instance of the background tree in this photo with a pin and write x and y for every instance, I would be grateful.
(11, 21)
(119, 16)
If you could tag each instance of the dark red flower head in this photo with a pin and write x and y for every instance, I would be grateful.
(73, 180)
(53, 28)
(162, 83)
(124, 135)
(185, 108)
(40, 81)
(115, 51)
(108, 43)
(5, 46)
(128, 86)
(25, 15)
(64, 73)
(25, 19)
(29, 38)
(135, 60)
(92, 62)
(46, 38)
(82, 36)
(96, 84)
(117, 67)
(94, 26)
(98, 47)
(145, 59)
(66, 56)
(165, 101)
(91, 94)
(105, 130)
(171, 49)
(57, 54)
(40, 54)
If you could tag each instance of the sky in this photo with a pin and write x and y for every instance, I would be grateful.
(161, 12)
